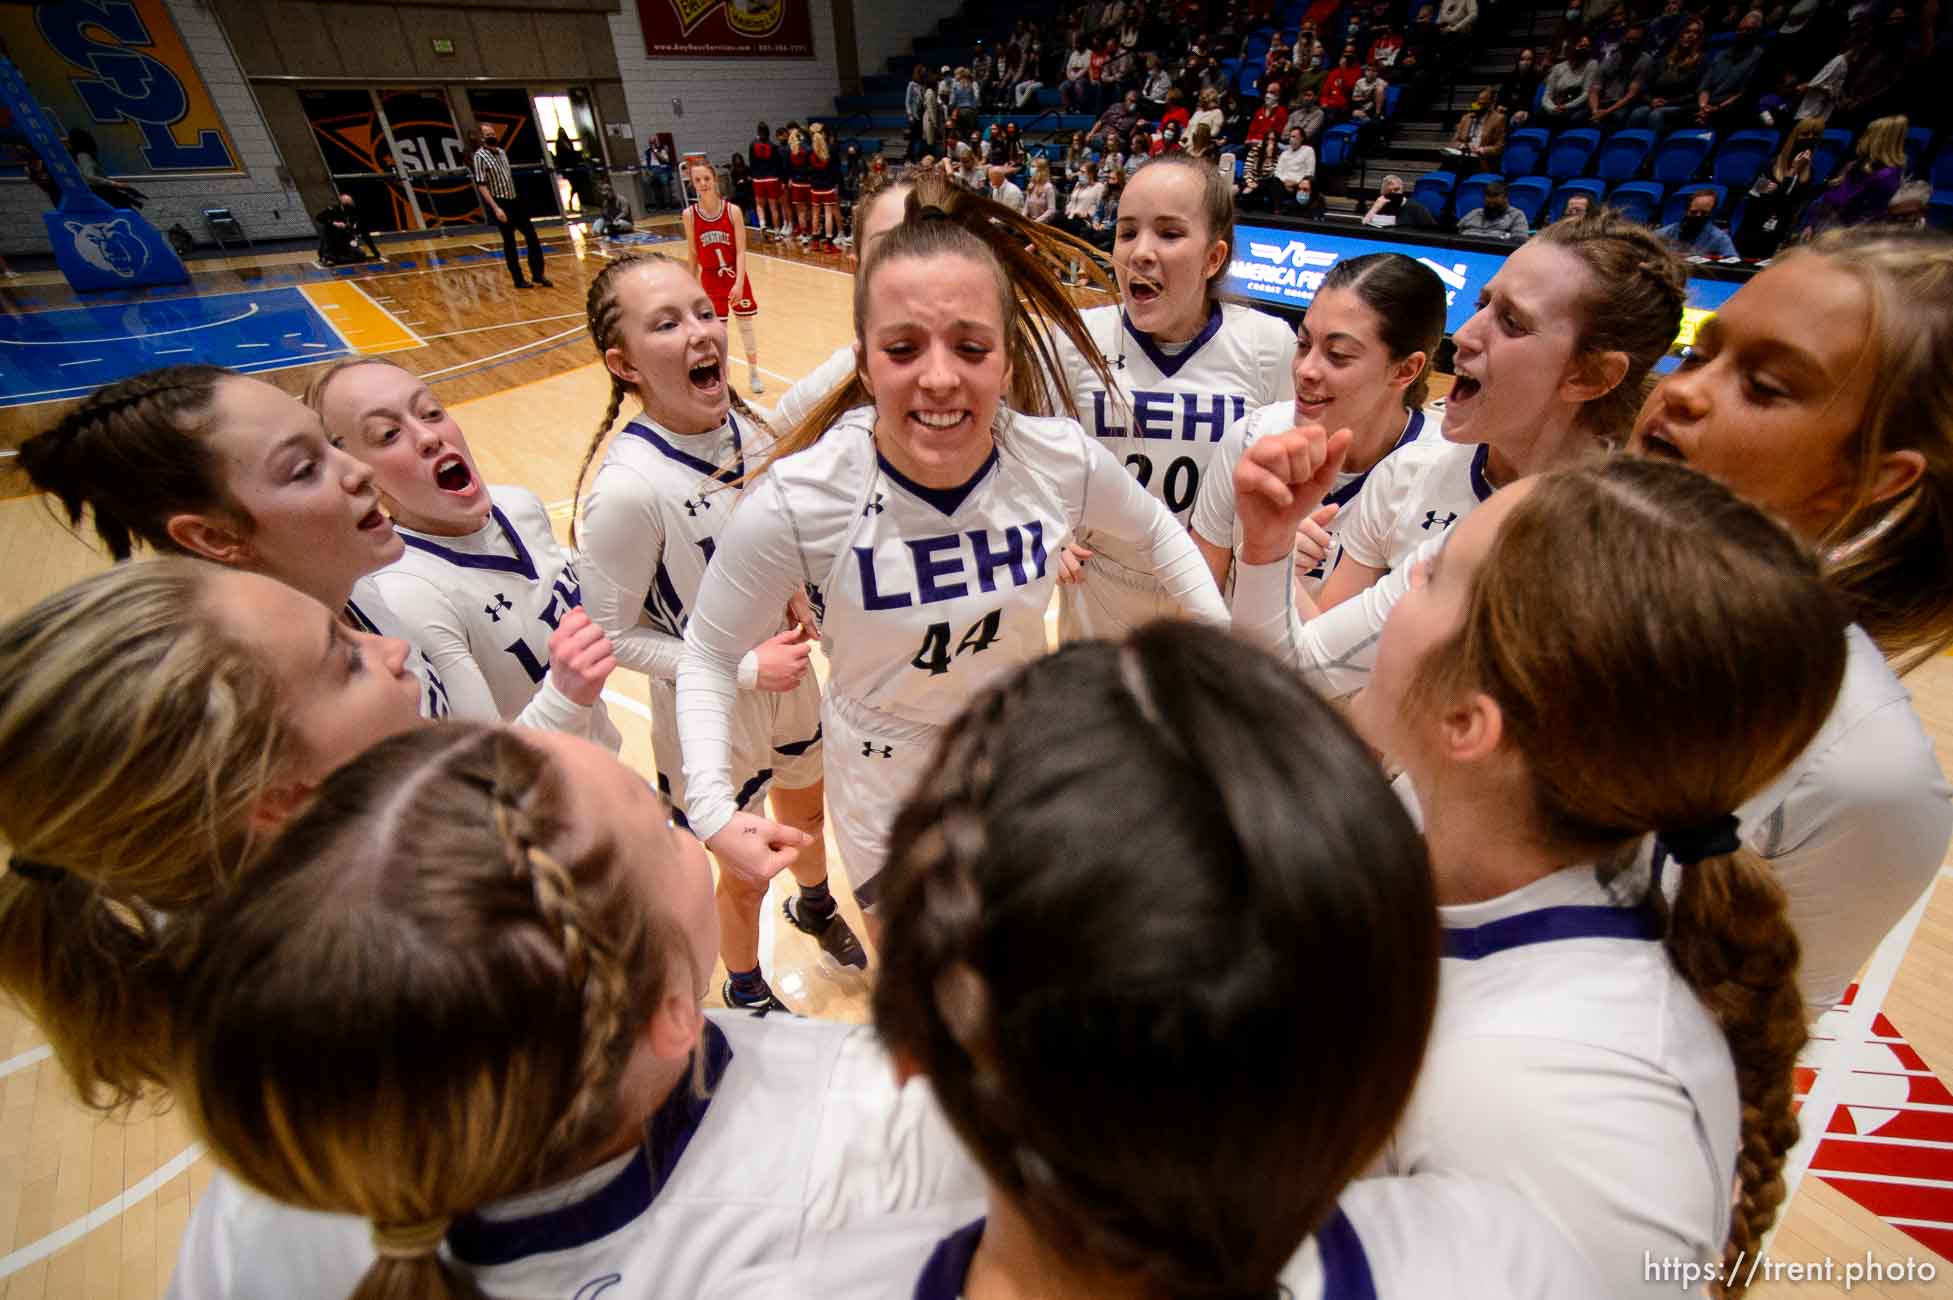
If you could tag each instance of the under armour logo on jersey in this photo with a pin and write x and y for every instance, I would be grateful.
(693, 507)
(868, 750)
(1431, 520)
(873, 507)
(495, 607)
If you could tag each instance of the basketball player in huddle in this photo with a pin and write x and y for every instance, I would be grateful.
(715, 249)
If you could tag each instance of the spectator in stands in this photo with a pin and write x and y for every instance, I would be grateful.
(1577, 206)
(1296, 171)
(1875, 70)
(1167, 141)
(1257, 190)
(935, 128)
(1480, 136)
(981, 66)
(1213, 77)
(1497, 219)
(1083, 203)
(1029, 77)
(1677, 78)
(1568, 87)
(1078, 153)
(1518, 91)
(1269, 119)
(1820, 93)
(1720, 103)
(1309, 74)
(1076, 93)
(963, 92)
(1620, 80)
(1095, 73)
(1667, 25)
(1385, 45)
(1697, 234)
(1234, 118)
(1121, 71)
(1864, 189)
(1176, 113)
(1208, 115)
(1777, 199)
(1308, 47)
(912, 103)
(1457, 17)
(1003, 190)
(1336, 87)
(1139, 146)
(1129, 32)
(1105, 220)
(1384, 208)
(1366, 97)
(1041, 199)
(1158, 84)
(1308, 118)
(340, 235)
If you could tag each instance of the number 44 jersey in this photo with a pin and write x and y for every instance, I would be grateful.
(1168, 414)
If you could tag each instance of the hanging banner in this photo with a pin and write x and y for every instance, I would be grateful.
(118, 69)
(726, 29)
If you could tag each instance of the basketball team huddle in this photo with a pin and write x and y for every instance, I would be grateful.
(1413, 873)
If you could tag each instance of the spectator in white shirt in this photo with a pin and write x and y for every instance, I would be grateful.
(1003, 190)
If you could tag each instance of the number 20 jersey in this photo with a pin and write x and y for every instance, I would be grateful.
(1170, 411)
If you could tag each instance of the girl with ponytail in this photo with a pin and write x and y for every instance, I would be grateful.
(157, 723)
(659, 504)
(1618, 1054)
(1160, 1106)
(1846, 435)
(202, 461)
(921, 529)
(449, 1044)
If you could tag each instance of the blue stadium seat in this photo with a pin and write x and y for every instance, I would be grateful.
(1593, 189)
(1523, 150)
(1680, 155)
(1939, 210)
(1678, 202)
(1528, 194)
(1570, 153)
(1391, 95)
(1918, 141)
(1049, 97)
(1624, 155)
(1338, 146)
(1434, 192)
(1471, 191)
(1742, 157)
(1637, 200)
(1833, 147)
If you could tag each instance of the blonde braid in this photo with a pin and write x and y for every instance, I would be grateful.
(590, 966)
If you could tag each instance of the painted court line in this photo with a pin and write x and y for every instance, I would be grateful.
(85, 361)
(37, 1251)
(252, 310)
(496, 356)
(503, 325)
(32, 1056)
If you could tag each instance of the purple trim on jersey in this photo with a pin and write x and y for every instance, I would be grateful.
(728, 474)
(947, 500)
(520, 564)
(361, 621)
(1480, 487)
(1412, 427)
(746, 795)
(949, 1264)
(1345, 1268)
(795, 748)
(1170, 365)
(1549, 925)
(484, 1243)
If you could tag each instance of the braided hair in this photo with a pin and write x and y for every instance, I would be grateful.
(478, 990)
(133, 453)
(1074, 993)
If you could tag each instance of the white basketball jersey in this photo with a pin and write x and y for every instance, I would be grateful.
(1570, 1062)
(668, 496)
(369, 612)
(804, 1131)
(484, 605)
(1214, 513)
(1429, 1237)
(1414, 496)
(1170, 411)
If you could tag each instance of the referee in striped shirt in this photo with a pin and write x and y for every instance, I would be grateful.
(496, 185)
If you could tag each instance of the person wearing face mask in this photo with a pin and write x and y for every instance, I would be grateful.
(1270, 118)
(1719, 104)
(1517, 92)
(1308, 117)
(1389, 201)
(1696, 234)
(1497, 219)
(1568, 86)
(1619, 80)
(1480, 136)
(1168, 142)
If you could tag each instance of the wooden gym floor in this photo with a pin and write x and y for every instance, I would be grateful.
(95, 1208)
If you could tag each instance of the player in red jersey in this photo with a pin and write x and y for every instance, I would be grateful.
(715, 250)
(769, 193)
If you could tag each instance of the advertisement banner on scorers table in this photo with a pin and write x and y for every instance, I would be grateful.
(1284, 268)
(726, 29)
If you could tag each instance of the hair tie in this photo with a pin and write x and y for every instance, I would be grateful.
(1712, 839)
(934, 213)
(410, 1240)
(38, 872)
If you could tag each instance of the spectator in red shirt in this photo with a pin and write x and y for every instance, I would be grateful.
(1270, 118)
(1337, 85)
(1385, 48)
(1176, 110)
